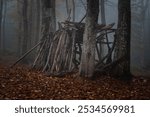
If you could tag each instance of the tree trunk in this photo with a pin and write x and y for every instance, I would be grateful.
(53, 15)
(73, 10)
(123, 38)
(49, 18)
(87, 66)
(3, 20)
(25, 28)
(103, 21)
(103, 18)
(38, 34)
(1, 10)
(19, 34)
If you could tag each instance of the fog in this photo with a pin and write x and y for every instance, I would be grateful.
(140, 29)
(140, 41)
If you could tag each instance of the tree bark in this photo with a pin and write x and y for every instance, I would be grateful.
(123, 38)
(87, 66)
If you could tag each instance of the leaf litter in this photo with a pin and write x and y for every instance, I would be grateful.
(22, 83)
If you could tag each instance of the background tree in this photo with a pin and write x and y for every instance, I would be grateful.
(103, 21)
(25, 25)
(1, 9)
(49, 18)
(122, 50)
(87, 66)
(30, 25)
(102, 7)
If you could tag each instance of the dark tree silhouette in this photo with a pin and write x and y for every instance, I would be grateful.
(122, 49)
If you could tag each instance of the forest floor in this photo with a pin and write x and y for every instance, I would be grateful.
(22, 83)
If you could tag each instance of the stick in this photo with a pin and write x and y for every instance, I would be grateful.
(40, 50)
(113, 64)
(110, 52)
(23, 56)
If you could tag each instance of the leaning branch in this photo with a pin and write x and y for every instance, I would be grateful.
(23, 56)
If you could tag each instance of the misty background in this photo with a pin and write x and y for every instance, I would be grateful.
(140, 29)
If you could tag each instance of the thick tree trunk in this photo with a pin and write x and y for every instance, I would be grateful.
(123, 38)
(87, 66)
